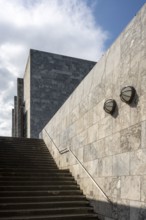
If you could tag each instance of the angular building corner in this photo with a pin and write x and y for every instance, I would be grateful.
(48, 81)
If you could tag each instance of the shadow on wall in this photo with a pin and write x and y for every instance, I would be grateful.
(135, 101)
(116, 112)
(115, 211)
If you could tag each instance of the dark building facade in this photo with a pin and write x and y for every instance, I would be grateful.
(49, 80)
(17, 112)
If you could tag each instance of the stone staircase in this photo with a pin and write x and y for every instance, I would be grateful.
(32, 186)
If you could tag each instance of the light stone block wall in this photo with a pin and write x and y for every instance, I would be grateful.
(111, 148)
(27, 90)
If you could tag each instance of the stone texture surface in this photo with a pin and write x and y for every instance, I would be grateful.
(121, 164)
(137, 210)
(49, 79)
(105, 166)
(20, 107)
(111, 148)
(135, 137)
(143, 134)
(130, 187)
(15, 117)
(143, 188)
(138, 162)
(53, 79)
(27, 81)
(13, 125)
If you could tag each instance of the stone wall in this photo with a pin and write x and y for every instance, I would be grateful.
(27, 81)
(17, 112)
(13, 125)
(111, 148)
(53, 78)
(20, 107)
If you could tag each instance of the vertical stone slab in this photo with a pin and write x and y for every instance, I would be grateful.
(130, 187)
(121, 164)
(53, 78)
(27, 88)
(20, 107)
(15, 116)
(13, 124)
(143, 134)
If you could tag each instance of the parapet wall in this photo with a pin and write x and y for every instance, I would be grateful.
(111, 148)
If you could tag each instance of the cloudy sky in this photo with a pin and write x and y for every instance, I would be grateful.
(78, 28)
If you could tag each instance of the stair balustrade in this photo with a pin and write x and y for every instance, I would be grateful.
(83, 167)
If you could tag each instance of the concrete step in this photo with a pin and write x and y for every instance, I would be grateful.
(25, 178)
(45, 211)
(22, 163)
(46, 198)
(39, 167)
(7, 160)
(39, 204)
(37, 174)
(22, 144)
(33, 171)
(25, 160)
(23, 169)
(36, 182)
(28, 164)
(55, 217)
(28, 155)
(20, 140)
(38, 187)
(34, 149)
(40, 193)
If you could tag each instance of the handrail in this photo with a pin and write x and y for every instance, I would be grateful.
(65, 150)
(90, 176)
(69, 150)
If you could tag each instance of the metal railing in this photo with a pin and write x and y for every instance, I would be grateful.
(65, 150)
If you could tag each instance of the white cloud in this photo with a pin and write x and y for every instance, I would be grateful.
(59, 26)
